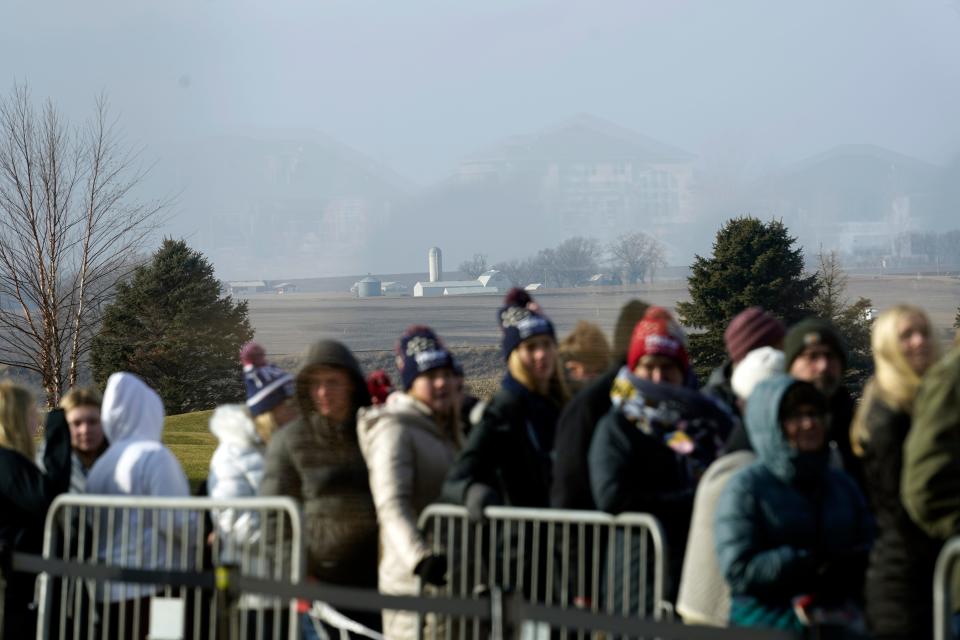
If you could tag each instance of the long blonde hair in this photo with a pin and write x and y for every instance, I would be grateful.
(894, 381)
(556, 386)
(16, 404)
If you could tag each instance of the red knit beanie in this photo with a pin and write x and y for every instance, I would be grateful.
(751, 329)
(658, 334)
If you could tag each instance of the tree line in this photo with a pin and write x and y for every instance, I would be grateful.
(631, 259)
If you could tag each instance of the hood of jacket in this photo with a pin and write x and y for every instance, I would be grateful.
(330, 353)
(131, 410)
(232, 425)
(766, 434)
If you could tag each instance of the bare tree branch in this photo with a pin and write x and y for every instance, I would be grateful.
(69, 231)
(636, 256)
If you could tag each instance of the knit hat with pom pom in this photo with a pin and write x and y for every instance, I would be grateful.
(267, 385)
(521, 318)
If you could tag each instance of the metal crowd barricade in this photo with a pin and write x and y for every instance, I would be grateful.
(257, 537)
(942, 591)
(586, 560)
(507, 615)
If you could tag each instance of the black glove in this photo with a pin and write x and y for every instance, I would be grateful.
(479, 496)
(432, 570)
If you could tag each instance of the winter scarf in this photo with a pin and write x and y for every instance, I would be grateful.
(686, 421)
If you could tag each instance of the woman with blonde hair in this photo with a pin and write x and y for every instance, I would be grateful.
(898, 596)
(26, 493)
(508, 457)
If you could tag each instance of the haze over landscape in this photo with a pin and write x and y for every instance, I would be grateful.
(310, 139)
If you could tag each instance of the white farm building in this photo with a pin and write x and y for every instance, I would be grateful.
(492, 282)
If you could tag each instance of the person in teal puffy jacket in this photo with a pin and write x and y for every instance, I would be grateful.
(792, 534)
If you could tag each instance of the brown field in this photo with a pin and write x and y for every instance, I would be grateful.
(287, 324)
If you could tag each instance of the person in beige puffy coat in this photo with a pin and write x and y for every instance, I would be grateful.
(409, 444)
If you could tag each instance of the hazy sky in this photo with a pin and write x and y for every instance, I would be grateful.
(420, 84)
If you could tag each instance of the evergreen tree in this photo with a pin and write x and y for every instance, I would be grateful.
(170, 325)
(753, 263)
(956, 321)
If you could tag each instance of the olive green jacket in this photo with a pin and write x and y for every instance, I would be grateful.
(930, 484)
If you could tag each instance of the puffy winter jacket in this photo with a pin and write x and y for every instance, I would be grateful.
(320, 465)
(136, 464)
(704, 596)
(788, 524)
(236, 470)
(931, 456)
(408, 456)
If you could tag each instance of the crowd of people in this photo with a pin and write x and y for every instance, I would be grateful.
(785, 502)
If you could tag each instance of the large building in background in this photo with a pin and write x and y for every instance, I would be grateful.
(301, 205)
(592, 177)
(583, 177)
(854, 199)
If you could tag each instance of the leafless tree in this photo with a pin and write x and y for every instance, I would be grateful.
(520, 272)
(69, 230)
(571, 262)
(832, 298)
(636, 256)
(475, 266)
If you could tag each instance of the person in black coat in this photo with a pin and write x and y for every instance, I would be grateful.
(26, 494)
(571, 480)
(900, 571)
(508, 457)
(649, 450)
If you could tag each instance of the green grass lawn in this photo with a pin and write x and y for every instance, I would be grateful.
(188, 436)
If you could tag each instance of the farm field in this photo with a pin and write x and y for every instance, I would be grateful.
(287, 324)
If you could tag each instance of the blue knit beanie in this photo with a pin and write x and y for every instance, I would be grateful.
(267, 385)
(420, 351)
(519, 319)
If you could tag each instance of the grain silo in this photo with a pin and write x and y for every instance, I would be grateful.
(435, 259)
(369, 287)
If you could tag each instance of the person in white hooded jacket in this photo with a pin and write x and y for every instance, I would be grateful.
(135, 464)
(236, 470)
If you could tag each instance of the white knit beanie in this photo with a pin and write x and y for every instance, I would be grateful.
(756, 366)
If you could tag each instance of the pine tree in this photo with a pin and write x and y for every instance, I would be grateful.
(753, 263)
(170, 325)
